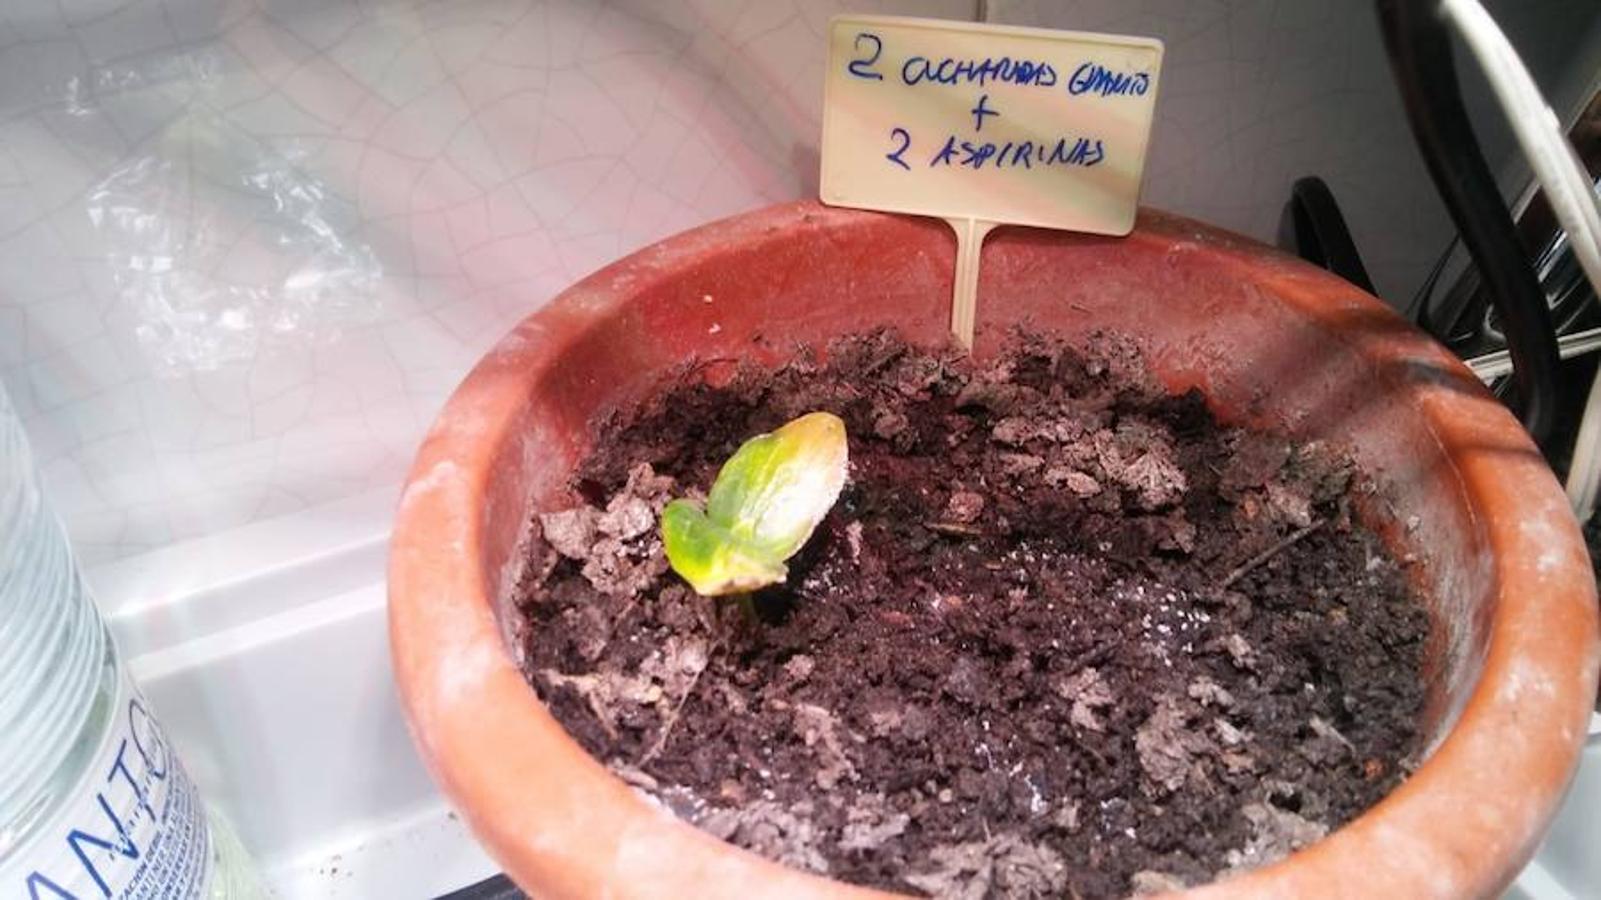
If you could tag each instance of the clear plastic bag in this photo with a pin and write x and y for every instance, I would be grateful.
(220, 245)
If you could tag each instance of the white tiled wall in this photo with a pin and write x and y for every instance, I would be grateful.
(247, 248)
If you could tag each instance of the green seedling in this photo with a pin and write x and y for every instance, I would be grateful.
(767, 500)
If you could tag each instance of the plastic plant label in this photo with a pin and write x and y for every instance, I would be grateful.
(985, 125)
(1022, 126)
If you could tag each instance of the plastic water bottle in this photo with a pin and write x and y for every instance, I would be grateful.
(94, 803)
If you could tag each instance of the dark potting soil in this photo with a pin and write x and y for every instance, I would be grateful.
(1061, 635)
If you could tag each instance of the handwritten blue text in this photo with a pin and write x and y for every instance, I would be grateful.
(1084, 152)
(1092, 78)
(919, 70)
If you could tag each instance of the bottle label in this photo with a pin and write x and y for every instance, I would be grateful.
(134, 829)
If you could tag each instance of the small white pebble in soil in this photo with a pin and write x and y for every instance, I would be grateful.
(1036, 800)
(714, 329)
(853, 539)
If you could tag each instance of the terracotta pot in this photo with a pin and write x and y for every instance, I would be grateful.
(1269, 340)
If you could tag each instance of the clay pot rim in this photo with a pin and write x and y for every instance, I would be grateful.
(463, 692)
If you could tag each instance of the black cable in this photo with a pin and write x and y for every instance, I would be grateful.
(1417, 309)
(1321, 235)
(1420, 55)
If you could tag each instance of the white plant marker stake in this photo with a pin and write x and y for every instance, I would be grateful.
(986, 125)
(970, 234)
